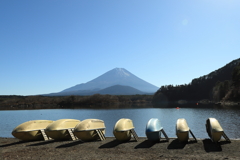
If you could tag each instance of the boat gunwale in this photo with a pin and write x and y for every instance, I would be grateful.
(27, 131)
(88, 129)
(124, 130)
(58, 129)
(153, 131)
(179, 131)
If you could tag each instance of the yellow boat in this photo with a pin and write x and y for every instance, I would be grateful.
(122, 129)
(31, 130)
(182, 130)
(90, 129)
(214, 129)
(59, 130)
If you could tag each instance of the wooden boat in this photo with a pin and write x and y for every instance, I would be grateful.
(90, 129)
(214, 129)
(31, 130)
(182, 130)
(153, 129)
(62, 129)
(124, 129)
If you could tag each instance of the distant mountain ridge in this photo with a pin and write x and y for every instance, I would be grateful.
(117, 81)
(117, 76)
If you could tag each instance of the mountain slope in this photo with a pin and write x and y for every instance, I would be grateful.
(120, 90)
(221, 74)
(200, 88)
(117, 76)
(113, 90)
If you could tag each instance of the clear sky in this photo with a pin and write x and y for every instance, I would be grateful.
(49, 45)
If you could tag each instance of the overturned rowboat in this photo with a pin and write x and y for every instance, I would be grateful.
(154, 129)
(124, 130)
(182, 130)
(32, 130)
(90, 129)
(62, 129)
(215, 130)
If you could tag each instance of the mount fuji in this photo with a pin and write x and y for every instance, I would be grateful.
(109, 81)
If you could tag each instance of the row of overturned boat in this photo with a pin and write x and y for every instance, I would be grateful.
(213, 128)
(65, 129)
(94, 129)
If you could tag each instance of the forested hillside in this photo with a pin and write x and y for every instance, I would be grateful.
(222, 84)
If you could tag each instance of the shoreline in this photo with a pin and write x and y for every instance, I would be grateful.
(12, 148)
(219, 105)
(199, 139)
(103, 102)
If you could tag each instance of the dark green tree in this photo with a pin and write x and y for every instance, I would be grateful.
(236, 75)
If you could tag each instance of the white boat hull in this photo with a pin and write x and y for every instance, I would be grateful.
(182, 130)
(214, 129)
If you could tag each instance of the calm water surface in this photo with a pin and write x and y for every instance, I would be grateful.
(228, 118)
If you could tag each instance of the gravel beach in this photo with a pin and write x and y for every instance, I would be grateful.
(12, 148)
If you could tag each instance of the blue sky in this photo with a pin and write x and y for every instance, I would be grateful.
(49, 45)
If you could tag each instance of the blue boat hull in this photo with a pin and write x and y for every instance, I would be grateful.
(153, 136)
(153, 129)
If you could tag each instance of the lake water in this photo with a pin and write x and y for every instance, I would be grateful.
(196, 118)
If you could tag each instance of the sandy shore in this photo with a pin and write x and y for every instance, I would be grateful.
(11, 148)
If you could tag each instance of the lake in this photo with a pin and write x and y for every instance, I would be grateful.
(196, 118)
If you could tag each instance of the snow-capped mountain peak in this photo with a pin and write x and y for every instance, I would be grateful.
(116, 76)
(122, 72)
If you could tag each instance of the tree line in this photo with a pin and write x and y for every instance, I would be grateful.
(220, 85)
(40, 102)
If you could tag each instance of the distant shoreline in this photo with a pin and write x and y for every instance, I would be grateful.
(73, 102)
(102, 102)
(123, 106)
